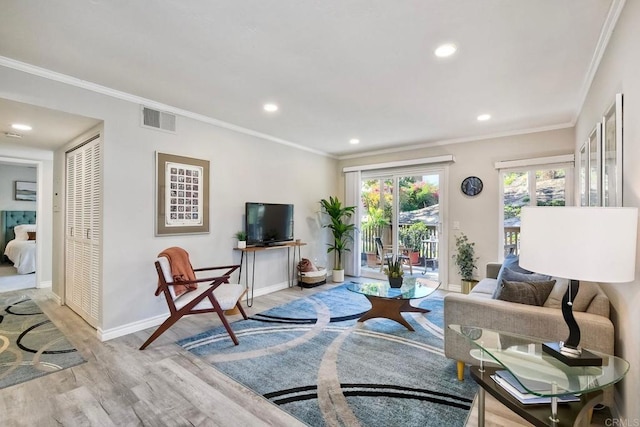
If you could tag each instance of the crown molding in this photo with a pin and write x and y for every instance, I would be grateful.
(458, 141)
(103, 90)
(605, 35)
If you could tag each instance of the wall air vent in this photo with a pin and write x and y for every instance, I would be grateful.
(160, 120)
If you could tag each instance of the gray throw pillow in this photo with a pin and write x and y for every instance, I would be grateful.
(516, 276)
(531, 293)
(511, 262)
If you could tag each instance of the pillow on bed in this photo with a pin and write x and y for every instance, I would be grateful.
(32, 235)
(21, 231)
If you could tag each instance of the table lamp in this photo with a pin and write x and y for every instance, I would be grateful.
(594, 244)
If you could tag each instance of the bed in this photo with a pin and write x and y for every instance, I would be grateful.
(19, 239)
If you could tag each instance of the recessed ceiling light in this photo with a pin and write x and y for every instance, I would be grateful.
(19, 126)
(270, 107)
(445, 50)
(354, 141)
(484, 117)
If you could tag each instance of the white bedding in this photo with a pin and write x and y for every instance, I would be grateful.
(23, 255)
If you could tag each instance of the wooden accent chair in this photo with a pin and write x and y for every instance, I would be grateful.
(185, 297)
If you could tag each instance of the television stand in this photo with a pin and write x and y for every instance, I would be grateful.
(291, 266)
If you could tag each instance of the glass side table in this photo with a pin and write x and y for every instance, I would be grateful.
(540, 375)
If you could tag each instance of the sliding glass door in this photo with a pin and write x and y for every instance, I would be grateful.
(401, 217)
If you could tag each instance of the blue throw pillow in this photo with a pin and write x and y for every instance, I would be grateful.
(509, 260)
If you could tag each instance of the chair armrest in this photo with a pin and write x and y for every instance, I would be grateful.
(231, 268)
(204, 279)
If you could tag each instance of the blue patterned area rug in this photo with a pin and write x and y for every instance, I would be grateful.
(30, 345)
(315, 361)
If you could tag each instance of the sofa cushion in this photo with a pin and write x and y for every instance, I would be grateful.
(485, 287)
(531, 293)
(586, 294)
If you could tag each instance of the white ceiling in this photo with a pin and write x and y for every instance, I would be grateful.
(51, 128)
(338, 69)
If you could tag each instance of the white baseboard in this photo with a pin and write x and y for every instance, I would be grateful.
(45, 284)
(130, 328)
(454, 288)
(56, 298)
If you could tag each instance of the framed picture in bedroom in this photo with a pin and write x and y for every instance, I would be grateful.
(182, 195)
(612, 154)
(25, 191)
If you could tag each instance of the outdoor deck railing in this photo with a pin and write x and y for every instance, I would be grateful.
(511, 240)
(429, 249)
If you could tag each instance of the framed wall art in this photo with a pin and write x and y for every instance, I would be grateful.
(612, 154)
(182, 200)
(25, 191)
(594, 147)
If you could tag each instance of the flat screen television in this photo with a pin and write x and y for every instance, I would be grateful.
(268, 223)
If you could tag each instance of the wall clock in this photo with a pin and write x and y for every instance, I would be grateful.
(471, 186)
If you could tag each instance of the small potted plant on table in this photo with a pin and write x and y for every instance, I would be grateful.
(394, 272)
(242, 239)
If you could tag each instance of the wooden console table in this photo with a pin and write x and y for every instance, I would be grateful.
(291, 266)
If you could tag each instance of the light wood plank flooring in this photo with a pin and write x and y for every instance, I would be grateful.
(160, 386)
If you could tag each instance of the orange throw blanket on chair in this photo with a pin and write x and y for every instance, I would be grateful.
(181, 269)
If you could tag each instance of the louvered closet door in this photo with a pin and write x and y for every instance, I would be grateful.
(83, 231)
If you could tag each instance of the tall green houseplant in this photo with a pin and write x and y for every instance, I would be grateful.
(464, 257)
(340, 227)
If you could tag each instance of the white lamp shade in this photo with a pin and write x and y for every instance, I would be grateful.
(583, 243)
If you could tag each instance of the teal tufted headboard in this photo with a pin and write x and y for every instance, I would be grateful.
(9, 220)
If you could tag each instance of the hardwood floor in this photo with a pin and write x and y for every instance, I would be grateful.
(160, 386)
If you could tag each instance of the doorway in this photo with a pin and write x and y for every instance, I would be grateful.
(401, 217)
(18, 266)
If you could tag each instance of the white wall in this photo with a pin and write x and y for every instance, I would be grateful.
(478, 216)
(243, 168)
(619, 71)
(8, 175)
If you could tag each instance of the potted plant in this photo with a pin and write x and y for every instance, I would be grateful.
(341, 230)
(371, 228)
(465, 260)
(412, 238)
(242, 239)
(394, 272)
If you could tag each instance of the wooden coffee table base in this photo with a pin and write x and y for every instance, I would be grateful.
(390, 309)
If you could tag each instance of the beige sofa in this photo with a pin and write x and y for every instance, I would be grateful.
(478, 308)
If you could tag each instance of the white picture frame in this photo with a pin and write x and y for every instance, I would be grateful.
(612, 154)
(594, 166)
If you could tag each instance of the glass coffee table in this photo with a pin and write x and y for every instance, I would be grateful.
(538, 374)
(390, 303)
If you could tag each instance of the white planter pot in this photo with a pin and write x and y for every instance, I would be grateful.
(338, 276)
(242, 244)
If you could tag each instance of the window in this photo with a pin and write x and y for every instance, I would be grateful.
(535, 185)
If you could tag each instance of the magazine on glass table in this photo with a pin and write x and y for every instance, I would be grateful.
(508, 382)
